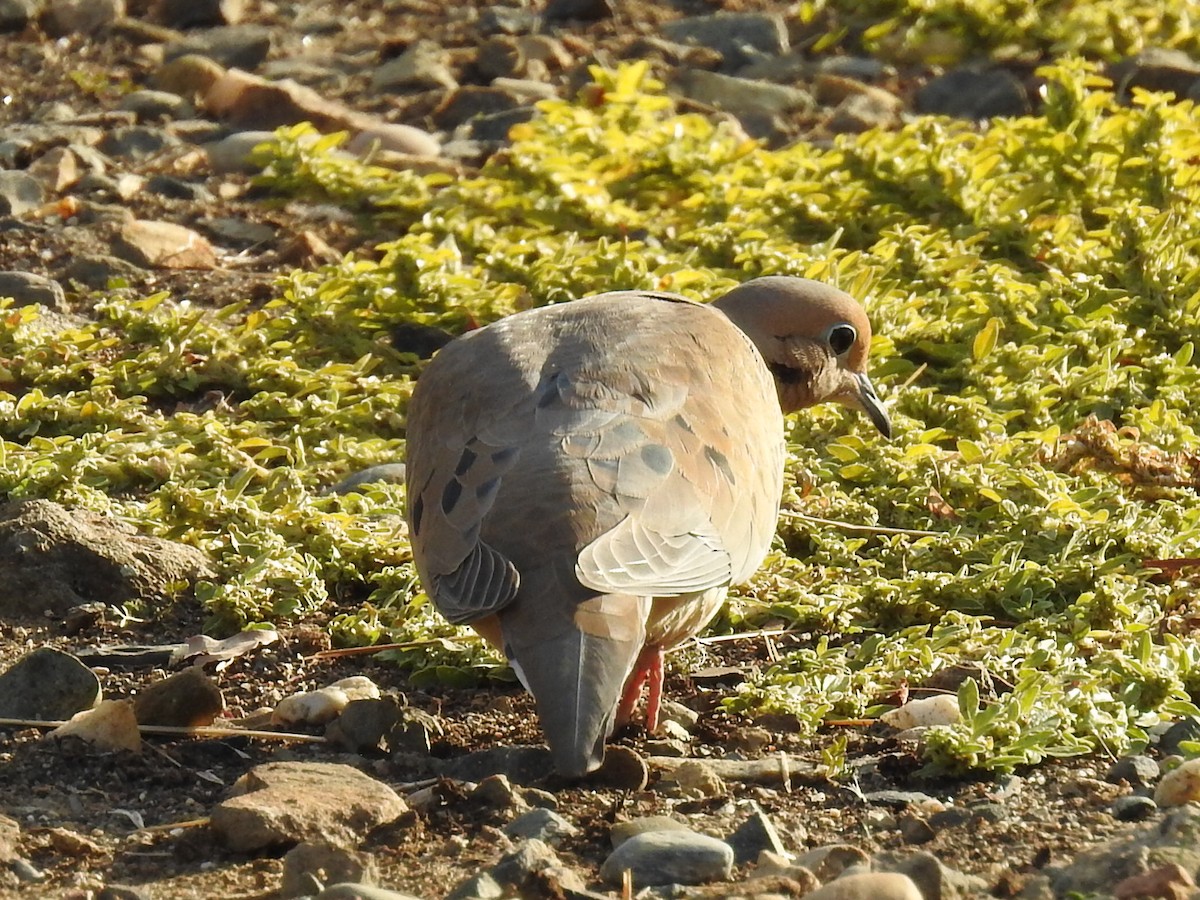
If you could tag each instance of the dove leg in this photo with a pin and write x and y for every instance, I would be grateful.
(647, 672)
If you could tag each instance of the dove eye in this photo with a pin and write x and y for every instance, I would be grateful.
(842, 338)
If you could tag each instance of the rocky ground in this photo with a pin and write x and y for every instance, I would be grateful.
(124, 137)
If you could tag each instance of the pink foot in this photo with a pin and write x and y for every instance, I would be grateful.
(647, 670)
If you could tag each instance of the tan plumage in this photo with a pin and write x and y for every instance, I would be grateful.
(586, 480)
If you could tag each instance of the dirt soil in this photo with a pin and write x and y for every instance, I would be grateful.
(92, 819)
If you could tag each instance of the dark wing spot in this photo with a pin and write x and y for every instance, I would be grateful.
(418, 509)
(504, 457)
(551, 389)
(721, 461)
(465, 461)
(450, 495)
(657, 458)
(681, 422)
(488, 487)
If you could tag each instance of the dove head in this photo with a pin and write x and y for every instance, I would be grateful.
(814, 339)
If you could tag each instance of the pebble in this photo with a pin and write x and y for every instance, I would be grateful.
(233, 46)
(16, 14)
(741, 38)
(153, 106)
(177, 189)
(234, 153)
(136, 142)
(110, 725)
(56, 169)
(199, 13)
(623, 831)
(1136, 771)
(27, 289)
(1179, 786)
(240, 233)
(283, 803)
(164, 245)
(737, 95)
(47, 684)
(189, 75)
(325, 704)
(868, 886)
(186, 699)
(544, 824)
(1187, 729)
(423, 65)
(97, 271)
(320, 862)
(973, 93)
(756, 834)
(20, 192)
(396, 137)
(508, 20)
(578, 10)
(831, 860)
(351, 891)
(940, 709)
(1133, 808)
(63, 17)
(669, 857)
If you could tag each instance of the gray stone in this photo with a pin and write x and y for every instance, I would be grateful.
(54, 559)
(27, 289)
(578, 10)
(741, 38)
(480, 886)
(530, 858)
(240, 46)
(177, 188)
(870, 886)
(20, 192)
(16, 14)
(304, 72)
(98, 272)
(1133, 808)
(396, 137)
(47, 684)
(864, 110)
(831, 860)
(319, 862)
(199, 13)
(756, 834)
(239, 233)
(1136, 771)
(82, 16)
(286, 802)
(10, 836)
(152, 106)
(670, 857)
(508, 20)
(234, 153)
(472, 101)
(495, 127)
(935, 880)
(137, 142)
(1157, 69)
(623, 831)
(423, 65)
(1184, 730)
(973, 93)
(735, 94)
(351, 891)
(544, 824)
(113, 891)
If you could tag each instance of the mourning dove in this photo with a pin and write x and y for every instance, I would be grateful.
(586, 480)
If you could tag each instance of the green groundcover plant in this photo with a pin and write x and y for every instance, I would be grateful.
(1035, 286)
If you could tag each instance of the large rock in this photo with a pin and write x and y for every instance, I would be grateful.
(52, 559)
(289, 802)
